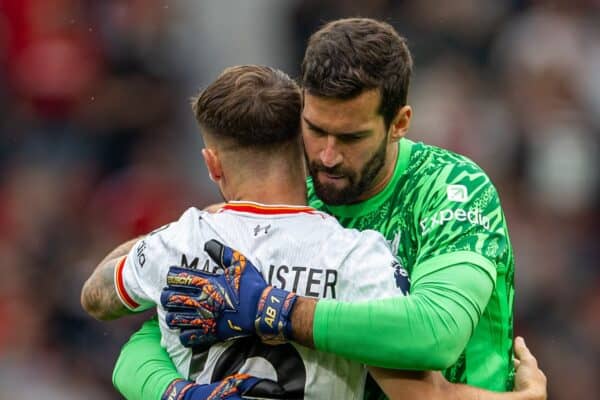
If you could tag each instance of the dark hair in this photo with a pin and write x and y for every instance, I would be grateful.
(251, 105)
(347, 56)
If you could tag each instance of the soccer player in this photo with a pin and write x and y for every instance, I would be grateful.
(438, 210)
(251, 125)
(250, 119)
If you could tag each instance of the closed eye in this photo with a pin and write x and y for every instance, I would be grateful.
(350, 138)
(316, 131)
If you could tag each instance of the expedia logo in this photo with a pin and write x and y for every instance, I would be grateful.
(474, 216)
(457, 193)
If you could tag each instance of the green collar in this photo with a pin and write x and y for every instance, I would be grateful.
(368, 205)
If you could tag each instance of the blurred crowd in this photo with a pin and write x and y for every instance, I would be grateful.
(97, 145)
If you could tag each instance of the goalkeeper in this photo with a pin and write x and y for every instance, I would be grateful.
(439, 211)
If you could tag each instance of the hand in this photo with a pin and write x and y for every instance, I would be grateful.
(210, 307)
(232, 387)
(529, 379)
(213, 208)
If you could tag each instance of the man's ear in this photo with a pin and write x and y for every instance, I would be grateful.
(213, 164)
(400, 123)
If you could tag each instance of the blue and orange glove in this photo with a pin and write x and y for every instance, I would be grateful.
(209, 308)
(233, 387)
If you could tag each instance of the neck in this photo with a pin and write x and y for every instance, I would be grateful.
(272, 192)
(385, 175)
(277, 183)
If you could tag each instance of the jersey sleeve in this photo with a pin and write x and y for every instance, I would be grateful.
(426, 330)
(459, 219)
(371, 271)
(140, 277)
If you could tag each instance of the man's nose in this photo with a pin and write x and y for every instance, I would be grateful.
(330, 155)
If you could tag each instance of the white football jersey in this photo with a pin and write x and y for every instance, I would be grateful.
(295, 248)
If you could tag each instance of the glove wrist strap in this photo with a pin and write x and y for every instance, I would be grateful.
(273, 324)
(177, 390)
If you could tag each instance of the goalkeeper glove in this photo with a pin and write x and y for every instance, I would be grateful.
(210, 307)
(232, 387)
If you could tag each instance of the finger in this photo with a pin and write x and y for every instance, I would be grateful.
(225, 256)
(187, 278)
(516, 363)
(197, 339)
(522, 352)
(182, 320)
(174, 300)
(213, 208)
(215, 250)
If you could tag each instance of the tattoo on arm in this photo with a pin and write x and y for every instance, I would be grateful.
(99, 297)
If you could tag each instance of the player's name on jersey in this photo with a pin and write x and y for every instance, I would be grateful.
(306, 281)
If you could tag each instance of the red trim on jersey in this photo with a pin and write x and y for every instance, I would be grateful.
(120, 285)
(267, 209)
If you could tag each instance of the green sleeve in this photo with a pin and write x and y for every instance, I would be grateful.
(144, 369)
(426, 330)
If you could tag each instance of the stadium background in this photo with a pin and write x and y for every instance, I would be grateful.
(97, 144)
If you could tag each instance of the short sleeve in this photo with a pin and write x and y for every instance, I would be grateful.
(141, 275)
(131, 280)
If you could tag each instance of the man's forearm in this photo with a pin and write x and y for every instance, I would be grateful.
(407, 385)
(98, 296)
(302, 321)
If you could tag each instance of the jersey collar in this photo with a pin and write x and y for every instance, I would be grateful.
(366, 206)
(265, 209)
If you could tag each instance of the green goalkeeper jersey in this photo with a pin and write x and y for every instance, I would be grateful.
(439, 206)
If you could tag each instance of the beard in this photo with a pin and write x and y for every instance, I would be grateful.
(358, 182)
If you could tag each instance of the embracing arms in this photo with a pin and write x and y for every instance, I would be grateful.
(434, 322)
(530, 382)
(99, 296)
(144, 371)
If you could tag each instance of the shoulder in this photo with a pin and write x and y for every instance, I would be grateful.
(179, 229)
(365, 242)
(436, 172)
(435, 163)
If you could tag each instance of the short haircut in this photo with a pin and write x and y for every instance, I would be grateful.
(250, 106)
(348, 56)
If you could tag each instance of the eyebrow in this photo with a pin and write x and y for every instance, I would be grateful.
(317, 128)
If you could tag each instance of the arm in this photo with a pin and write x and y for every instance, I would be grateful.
(98, 296)
(144, 369)
(434, 322)
(128, 280)
(453, 276)
(398, 385)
